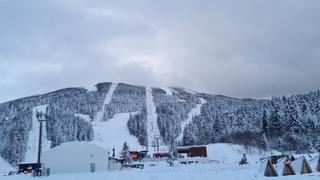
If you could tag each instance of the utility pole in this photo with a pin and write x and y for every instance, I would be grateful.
(157, 138)
(41, 118)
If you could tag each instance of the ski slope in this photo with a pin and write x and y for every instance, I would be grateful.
(152, 127)
(114, 132)
(195, 111)
(32, 144)
(107, 101)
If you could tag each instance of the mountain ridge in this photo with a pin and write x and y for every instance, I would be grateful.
(288, 123)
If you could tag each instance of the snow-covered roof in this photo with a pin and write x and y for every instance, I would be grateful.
(314, 162)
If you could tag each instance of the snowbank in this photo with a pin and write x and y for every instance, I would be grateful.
(232, 154)
(5, 166)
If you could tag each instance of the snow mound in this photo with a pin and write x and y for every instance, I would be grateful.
(232, 154)
(5, 166)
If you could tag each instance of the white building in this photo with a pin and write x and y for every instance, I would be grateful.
(75, 157)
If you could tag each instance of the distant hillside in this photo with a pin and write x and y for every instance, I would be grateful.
(182, 116)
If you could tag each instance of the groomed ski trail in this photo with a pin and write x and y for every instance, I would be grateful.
(168, 91)
(194, 112)
(152, 117)
(32, 144)
(106, 101)
(98, 123)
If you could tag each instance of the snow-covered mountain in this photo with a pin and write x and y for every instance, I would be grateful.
(117, 112)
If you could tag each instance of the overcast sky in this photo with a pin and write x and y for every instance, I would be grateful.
(247, 48)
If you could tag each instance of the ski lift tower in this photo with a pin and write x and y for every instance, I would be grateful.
(156, 142)
(42, 117)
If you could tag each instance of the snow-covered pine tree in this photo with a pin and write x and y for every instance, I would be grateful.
(264, 121)
(265, 143)
(274, 125)
(125, 153)
(293, 116)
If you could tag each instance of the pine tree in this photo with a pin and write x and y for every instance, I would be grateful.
(317, 145)
(264, 121)
(274, 127)
(265, 142)
(125, 153)
(293, 116)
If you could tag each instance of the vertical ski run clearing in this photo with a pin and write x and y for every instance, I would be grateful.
(98, 124)
(194, 112)
(32, 147)
(152, 128)
(168, 91)
(107, 100)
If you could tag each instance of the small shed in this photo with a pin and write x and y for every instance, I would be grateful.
(193, 151)
(75, 157)
(301, 166)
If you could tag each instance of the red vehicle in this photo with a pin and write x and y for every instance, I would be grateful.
(137, 155)
(28, 167)
(160, 154)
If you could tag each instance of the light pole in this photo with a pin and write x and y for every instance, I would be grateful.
(41, 118)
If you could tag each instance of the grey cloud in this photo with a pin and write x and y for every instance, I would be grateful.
(239, 48)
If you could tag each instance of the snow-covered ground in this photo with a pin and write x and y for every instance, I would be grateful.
(231, 153)
(195, 111)
(114, 132)
(152, 128)
(226, 167)
(32, 146)
(5, 166)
